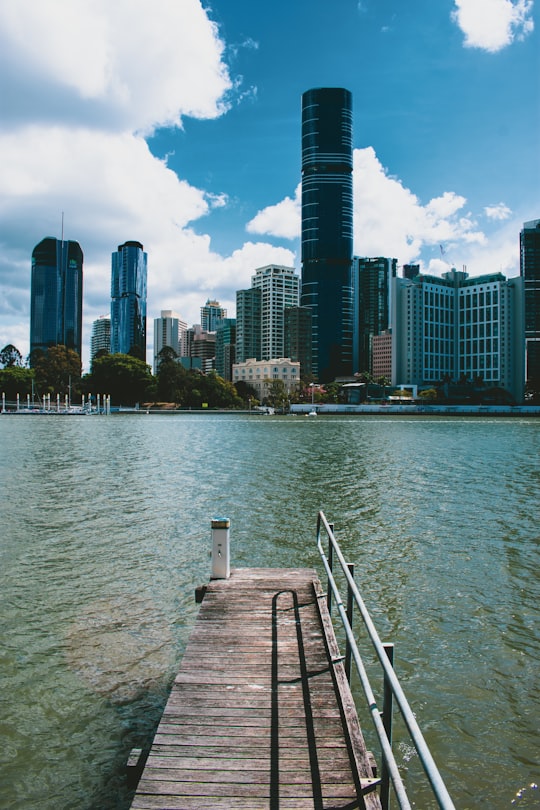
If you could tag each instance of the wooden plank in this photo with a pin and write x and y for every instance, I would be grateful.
(260, 715)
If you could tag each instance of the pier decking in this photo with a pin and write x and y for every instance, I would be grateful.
(260, 714)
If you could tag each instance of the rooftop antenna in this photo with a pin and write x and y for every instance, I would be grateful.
(62, 227)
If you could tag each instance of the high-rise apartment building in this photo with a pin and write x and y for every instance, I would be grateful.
(101, 336)
(248, 324)
(169, 330)
(128, 299)
(279, 288)
(458, 328)
(56, 295)
(327, 227)
(371, 306)
(530, 273)
(225, 347)
(201, 344)
(211, 314)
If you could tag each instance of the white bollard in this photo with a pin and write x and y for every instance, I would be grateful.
(221, 557)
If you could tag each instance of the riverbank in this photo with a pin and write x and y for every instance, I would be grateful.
(419, 410)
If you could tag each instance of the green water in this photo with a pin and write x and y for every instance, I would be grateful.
(106, 534)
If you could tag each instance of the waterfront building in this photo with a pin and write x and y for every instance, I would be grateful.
(530, 273)
(128, 299)
(56, 295)
(169, 330)
(458, 328)
(371, 306)
(101, 336)
(225, 347)
(260, 374)
(327, 227)
(297, 332)
(211, 315)
(248, 324)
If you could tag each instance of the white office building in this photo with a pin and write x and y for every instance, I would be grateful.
(169, 330)
(456, 327)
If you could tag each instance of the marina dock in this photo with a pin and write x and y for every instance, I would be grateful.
(260, 714)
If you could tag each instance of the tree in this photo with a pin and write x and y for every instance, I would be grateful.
(214, 391)
(10, 356)
(57, 371)
(16, 380)
(277, 396)
(428, 394)
(246, 392)
(172, 383)
(125, 378)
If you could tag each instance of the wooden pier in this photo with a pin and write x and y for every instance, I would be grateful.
(260, 714)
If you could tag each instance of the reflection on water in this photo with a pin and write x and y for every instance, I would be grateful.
(106, 535)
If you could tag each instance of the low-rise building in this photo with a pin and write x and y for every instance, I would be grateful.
(260, 374)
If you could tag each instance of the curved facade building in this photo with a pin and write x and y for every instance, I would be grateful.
(327, 227)
(128, 299)
(56, 295)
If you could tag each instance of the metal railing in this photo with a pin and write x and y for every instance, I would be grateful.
(382, 721)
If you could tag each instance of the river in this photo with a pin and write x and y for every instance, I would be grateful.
(106, 534)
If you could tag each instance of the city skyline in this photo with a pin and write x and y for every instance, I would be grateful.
(206, 171)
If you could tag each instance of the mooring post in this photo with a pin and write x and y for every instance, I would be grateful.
(221, 556)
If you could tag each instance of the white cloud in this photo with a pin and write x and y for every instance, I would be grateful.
(493, 24)
(96, 62)
(497, 212)
(282, 220)
(389, 219)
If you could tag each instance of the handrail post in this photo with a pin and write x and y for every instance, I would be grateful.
(350, 606)
(387, 711)
(331, 564)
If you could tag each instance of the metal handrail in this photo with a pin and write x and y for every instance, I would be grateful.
(438, 787)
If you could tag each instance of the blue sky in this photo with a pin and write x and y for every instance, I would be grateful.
(177, 124)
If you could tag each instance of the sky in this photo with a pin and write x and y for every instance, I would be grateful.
(177, 123)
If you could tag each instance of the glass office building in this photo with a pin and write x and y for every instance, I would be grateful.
(327, 227)
(530, 273)
(56, 295)
(128, 299)
(371, 306)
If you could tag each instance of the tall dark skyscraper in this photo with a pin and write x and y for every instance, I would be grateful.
(128, 299)
(56, 295)
(327, 227)
(530, 272)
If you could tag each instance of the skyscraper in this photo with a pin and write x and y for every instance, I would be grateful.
(371, 308)
(101, 336)
(56, 295)
(128, 299)
(169, 330)
(225, 347)
(530, 273)
(279, 288)
(248, 324)
(211, 314)
(297, 330)
(327, 227)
